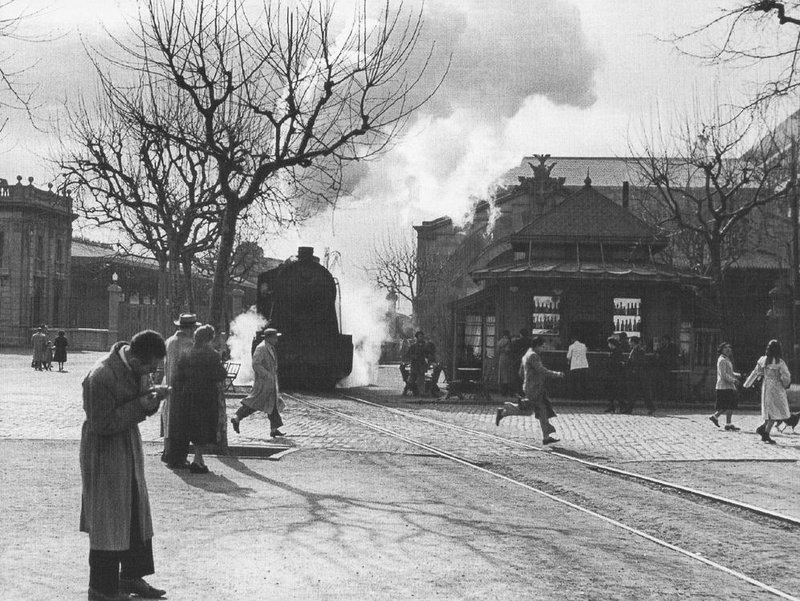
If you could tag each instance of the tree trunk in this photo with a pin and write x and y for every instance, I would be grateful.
(175, 285)
(164, 301)
(188, 285)
(715, 251)
(224, 254)
(217, 307)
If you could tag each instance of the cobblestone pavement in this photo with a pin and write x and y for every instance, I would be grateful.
(375, 508)
(48, 405)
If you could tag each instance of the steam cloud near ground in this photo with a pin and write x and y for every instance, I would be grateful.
(242, 331)
(363, 317)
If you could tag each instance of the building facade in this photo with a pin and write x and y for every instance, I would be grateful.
(564, 261)
(91, 290)
(35, 259)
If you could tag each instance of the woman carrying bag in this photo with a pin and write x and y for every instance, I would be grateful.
(774, 404)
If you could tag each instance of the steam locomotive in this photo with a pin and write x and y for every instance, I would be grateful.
(298, 298)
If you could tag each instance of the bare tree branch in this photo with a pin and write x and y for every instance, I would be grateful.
(276, 100)
(707, 196)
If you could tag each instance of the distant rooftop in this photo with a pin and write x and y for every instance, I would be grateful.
(605, 172)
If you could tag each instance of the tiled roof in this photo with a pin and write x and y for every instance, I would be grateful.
(604, 171)
(84, 249)
(588, 214)
(590, 270)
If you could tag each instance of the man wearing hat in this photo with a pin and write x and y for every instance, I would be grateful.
(265, 395)
(176, 450)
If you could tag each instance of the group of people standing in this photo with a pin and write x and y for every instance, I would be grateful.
(194, 371)
(122, 390)
(45, 351)
(627, 377)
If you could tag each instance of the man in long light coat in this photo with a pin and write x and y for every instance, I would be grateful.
(176, 447)
(265, 395)
(534, 375)
(115, 507)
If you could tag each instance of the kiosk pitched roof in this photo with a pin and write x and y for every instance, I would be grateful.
(589, 215)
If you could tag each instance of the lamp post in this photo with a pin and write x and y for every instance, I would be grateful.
(795, 263)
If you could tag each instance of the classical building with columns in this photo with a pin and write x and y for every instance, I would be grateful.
(35, 259)
(94, 292)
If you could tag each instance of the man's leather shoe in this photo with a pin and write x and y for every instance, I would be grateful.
(95, 595)
(276, 433)
(549, 440)
(179, 466)
(138, 586)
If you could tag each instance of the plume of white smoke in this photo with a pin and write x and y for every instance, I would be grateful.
(242, 331)
(364, 318)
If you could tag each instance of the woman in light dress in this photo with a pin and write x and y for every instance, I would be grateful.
(774, 404)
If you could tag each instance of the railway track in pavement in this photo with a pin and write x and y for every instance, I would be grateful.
(756, 546)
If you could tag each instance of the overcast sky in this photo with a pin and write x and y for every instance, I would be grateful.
(564, 77)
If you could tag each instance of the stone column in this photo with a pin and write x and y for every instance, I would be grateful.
(114, 299)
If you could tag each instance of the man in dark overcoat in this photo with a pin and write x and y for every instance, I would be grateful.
(115, 507)
(176, 445)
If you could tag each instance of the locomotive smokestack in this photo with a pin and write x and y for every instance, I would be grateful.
(305, 253)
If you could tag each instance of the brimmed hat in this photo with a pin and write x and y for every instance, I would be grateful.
(270, 332)
(187, 319)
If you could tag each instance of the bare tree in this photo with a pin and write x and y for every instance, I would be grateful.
(707, 195)
(277, 100)
(393, 266)
(753, 33)
(14, 94)
(159, 195)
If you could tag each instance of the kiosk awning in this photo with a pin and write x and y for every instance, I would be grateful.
(652, 272)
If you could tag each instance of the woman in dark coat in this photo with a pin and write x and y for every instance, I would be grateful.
(60, 355)
(194, 406)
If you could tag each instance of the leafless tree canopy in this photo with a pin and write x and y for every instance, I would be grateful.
(160, 195)
(393, 266)
(14, 93)
(711, 198)
(276, 100)
(765, 33)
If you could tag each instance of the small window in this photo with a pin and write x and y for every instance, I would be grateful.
(491, 330)
(473, 337)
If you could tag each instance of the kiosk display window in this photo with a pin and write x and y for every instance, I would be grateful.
(546, 317)
(627, 315)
